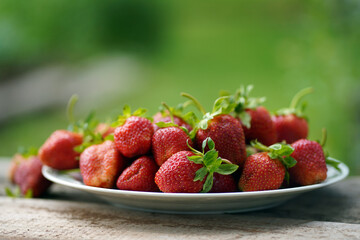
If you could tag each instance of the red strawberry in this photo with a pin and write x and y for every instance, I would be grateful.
(101, 164)
(167, 141)
(254, 118)
(223, 183)
(186, 171)
(290, 123)
(177, 174)
(139, 176)
(311, 166)
(134, 137)
(228, 136)
(58, 150)
(261, 173)
(290, 128)
(261, 127)
(165, 117)
(29, 177)
(266, 170)
(104, 129)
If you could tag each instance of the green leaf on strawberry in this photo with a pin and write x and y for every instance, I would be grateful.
(121, 119)
(211, 164)
(222, 105)
(17, 193)
(28, 152)
(29, 193)
(241, 101)
(333, 162)
(277, 151)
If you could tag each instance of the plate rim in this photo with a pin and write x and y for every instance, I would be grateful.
(48, 173)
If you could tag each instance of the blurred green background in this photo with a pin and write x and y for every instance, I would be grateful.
(144, 52)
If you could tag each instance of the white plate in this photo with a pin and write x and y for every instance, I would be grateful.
(195, 202)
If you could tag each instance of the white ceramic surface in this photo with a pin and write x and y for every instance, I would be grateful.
(194, 203)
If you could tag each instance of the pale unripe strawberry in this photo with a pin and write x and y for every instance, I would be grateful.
(101, 164)
(58, 150)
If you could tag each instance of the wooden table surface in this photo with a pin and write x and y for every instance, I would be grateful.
(329, 213)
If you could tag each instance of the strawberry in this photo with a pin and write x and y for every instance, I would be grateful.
(167, 141)
(133, 133)
(134, 137)
(58, 150)
(255, 119)
(261, 126)
(311, 164)
(222, 128)
(28, 176)
(14, 164)
(266, 170)
(228, 136)
(101, 164)
(177, 174)
(139, 176)
(290, 123)
(185, 171)
(223, 183)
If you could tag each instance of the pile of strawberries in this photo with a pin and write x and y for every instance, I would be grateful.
(238, 146)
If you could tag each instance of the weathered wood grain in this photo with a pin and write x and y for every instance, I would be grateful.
(49, 219)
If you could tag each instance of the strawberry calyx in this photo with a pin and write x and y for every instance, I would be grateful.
(278, 151)
(28, 152)
(87, 129)
(242, 101)
(177, 111)
(211, 162)
(171, 112)
(333, 162)
(295, 108)
(121, 119)
(222, 105)
(84, 127)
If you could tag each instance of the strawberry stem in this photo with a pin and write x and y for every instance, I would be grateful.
(169, 110)
(299, 95)
(259, 146)
(70, 108)
(323, 137)
(195, 101)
